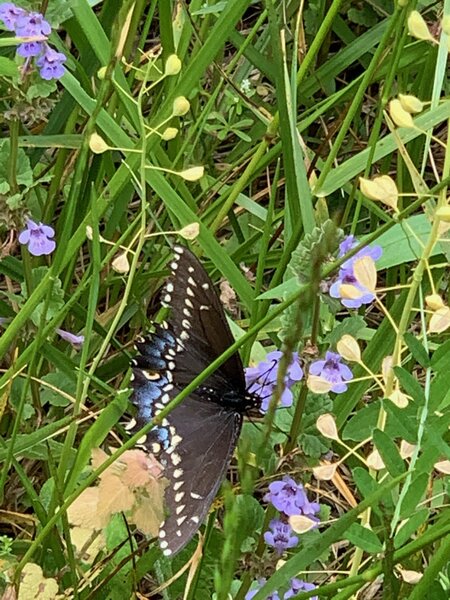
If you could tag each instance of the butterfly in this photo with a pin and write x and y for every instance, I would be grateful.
(195, 442)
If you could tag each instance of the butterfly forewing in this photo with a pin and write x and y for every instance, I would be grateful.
(196, 440)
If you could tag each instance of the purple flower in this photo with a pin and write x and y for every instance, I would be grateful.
(290, 498)
(249, 595)
(262, 379)
(297, 586)
(280, 537)
(333, 370)
(32, 24)
(76, 340)
(51, 64)
(346, 275)
(9, 14)
(28, 49)
(37, 237)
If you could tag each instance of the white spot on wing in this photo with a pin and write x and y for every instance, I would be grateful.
(179, 509)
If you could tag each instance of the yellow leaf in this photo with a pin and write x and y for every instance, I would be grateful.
(33, 584)
(88, 543)
(83, 511)
(348, 348)
(365, 272)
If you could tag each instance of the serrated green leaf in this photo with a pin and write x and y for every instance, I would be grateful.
(350, 326)
(364, 538)
(417, 350)
(8, 67)
(389, 453)
(59, 382)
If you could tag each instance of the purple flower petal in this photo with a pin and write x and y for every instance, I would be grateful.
(9, 14)
(32, 24)
(333, 370)
(50, 64)
(76, 340)
(29, 49)
(37, 237)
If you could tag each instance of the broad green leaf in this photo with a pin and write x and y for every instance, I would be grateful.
(389, 453)
(364, 538)
(414, 495)
(441, 357)
(8, 68)
(417, 350)
(409, 527)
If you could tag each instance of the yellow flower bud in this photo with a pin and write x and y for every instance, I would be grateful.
(374, 461)
(120, 264)
(173, 65)
(348, 348)
(399, 115)
(325, 472)
(434, 301)
(365, 272)
(169, 133)
(410, 103)
(301, 523)
(327, 426)
(97, 144)
(101, 73)
(445, 24)
(190, 232)
(192, 174)
(382, 188)
(418, 28)
(318, 385)
(180, 106)
(443, 213)
(440, 320)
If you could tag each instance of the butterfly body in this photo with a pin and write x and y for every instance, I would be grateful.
(195, 442)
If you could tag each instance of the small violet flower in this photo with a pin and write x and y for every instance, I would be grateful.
(9, 14)
(346, 274)
(256, 587)
(280, 537)
(76, 340)
(51, 64)
(262, 379)
(297, 586)
(290, 498)
(33, 25)
(38, 238)
(332, 370)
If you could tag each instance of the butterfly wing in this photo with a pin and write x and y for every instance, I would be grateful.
(196, 440)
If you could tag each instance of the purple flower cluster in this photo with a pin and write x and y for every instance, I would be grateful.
(37, 237)
(296, 586)
(33, 25)
(289, 498)
(262, 379)
(333, 370)
(347, 276)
